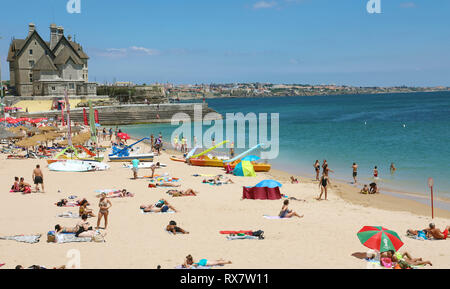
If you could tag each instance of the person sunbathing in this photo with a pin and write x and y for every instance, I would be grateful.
(162, 184)
(177, 193)
(161, 206)
(286, 213)
(83, 210)
(189, 262)
(410, 261)
(63, 230)
(430, 232)
(364, 190)
(118, 194)
(173, 228)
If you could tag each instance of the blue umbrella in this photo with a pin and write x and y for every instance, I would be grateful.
(251, 158)
(268, 184)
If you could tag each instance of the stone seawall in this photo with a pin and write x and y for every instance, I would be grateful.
(128, 114)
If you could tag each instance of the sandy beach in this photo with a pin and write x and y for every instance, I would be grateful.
(324, 238)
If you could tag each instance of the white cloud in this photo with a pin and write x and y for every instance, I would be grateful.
(264, 4)
(147, 51)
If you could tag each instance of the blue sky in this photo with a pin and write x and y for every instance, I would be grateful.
(279, 41)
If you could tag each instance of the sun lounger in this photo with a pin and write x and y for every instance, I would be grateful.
(30, 239)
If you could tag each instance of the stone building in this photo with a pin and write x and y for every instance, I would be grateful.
(40, 68)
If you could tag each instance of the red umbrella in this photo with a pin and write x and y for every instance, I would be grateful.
(379, 238)
(123, 136)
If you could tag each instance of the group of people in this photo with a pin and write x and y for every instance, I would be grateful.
(20, 186)
(324, 180)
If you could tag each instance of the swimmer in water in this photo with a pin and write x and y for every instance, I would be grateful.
(393, 168)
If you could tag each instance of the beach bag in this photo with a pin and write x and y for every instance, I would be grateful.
(98, 238)
(259, 234)
(51, 237)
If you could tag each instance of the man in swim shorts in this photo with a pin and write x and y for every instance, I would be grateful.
(38, 178)
(135, 168)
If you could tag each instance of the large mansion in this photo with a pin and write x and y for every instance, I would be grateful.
(41, 68)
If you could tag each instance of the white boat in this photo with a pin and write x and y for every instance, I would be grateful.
(77, 166)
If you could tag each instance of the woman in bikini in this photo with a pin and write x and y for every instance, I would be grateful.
(189, 262)
(173, 228)
(83, 210)
(323, 185)
(104, 205)
(177, 193)
(161, 206)
(317, 169)
(286, 213)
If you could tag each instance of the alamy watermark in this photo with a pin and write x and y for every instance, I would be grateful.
(73, 6)
(256, 133)
(374, 6)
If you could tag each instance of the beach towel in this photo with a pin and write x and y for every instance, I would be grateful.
(273, 217)
(69, 215)
(236, 232)
(71, 238)
(375, 264)
(30, 239)
(242, 237)
(168, 212)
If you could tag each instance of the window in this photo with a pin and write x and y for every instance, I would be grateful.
(31, 77)
(31, 62)
(31, 51)
(71, 86)
(53, 88)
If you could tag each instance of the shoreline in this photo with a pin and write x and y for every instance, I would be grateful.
(386, 200)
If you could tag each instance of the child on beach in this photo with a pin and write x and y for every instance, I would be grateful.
(15, 187)
(365, 190)
(374, 189)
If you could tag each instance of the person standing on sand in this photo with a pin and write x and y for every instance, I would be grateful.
(104, 204)
(135, 168)
(184, 145)
(323, 185)
(355, 172)
(375, 172)
(38, 177)
(175, 142)
(317, 169)
(232, 150)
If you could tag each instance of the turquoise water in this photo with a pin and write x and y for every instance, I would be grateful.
(410, 130)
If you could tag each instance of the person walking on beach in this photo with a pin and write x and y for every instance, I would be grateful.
(317, 169)
(355, 172)
(175, 142)
(38, 178)
(104, 204)
(393, 168)
(323, 185)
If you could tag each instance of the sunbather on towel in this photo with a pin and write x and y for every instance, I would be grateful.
(18, 267)
(431, 231)
(406, 257)
(177, 193)
(286, 213)
(162, 184)
(172, 227)
(161, 206)
(118, 194)
(189, 262)
(63, 230)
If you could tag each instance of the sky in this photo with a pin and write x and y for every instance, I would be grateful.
(225, 41)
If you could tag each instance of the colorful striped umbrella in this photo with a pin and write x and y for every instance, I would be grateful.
(379, 238)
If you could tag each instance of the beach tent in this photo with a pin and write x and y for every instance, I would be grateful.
(244, 169)
(265, 190)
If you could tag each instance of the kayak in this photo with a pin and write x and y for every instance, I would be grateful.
(174, 158)
(140, 157)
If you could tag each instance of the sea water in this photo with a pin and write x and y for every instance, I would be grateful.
(411, 130)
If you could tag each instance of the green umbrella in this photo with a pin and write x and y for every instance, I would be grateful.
(379, 238)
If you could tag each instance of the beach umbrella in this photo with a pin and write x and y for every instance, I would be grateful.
(47, 128)
(5, 134)
(244, 169)
(251, 158)
(268, 184)
(26, 143)
(379, 238)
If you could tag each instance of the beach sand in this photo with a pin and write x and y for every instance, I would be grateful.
(324, 238)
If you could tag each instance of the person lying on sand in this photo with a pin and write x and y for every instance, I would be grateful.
(431, 232)
(294, 180)
(83, 210)
(177, 193)
(118, 194)
(189, 262)
(406, 257)
(286, 213)
(374, 189)
(63, 230)
(163, 184)
(172, 227)
(364, 190)
(19, 267)
(161, 206)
